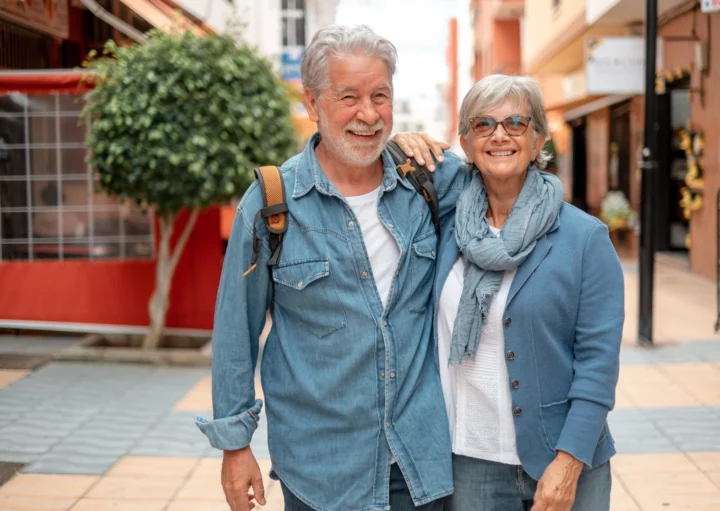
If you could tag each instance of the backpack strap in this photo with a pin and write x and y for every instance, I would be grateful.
(273, 211)
(420, 177)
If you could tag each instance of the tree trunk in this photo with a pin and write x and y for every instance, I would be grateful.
(167, 260)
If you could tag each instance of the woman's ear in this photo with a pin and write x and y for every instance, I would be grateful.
(538, 144)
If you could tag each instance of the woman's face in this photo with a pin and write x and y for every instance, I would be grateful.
(502, 155)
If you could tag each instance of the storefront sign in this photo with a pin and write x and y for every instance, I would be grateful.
(615, 65)
(46, 16)
(711, 5)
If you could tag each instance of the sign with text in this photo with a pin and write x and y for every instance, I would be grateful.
(616, 65)
(711, 5)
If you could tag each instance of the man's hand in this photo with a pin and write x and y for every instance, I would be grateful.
(421, 146)
(558, 484)
(240, 471)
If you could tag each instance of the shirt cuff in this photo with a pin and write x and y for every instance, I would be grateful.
(234, 432)
(581, 433)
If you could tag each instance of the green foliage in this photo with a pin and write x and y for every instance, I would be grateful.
(181, 121)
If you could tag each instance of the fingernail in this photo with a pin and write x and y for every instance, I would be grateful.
(441, 158)
(431, 168)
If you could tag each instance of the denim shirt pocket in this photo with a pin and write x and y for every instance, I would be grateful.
(305, 290)
(422, 269)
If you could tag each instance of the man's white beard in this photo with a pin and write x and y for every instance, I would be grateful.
(354, 154)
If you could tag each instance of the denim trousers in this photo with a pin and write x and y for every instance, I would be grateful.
(400, 499)
(482, 485)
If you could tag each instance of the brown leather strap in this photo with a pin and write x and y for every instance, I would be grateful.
(271, 185)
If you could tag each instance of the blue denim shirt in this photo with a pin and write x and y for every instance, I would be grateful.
(346, 381)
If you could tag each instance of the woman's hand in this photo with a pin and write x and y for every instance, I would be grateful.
(558, 484)
(421, 146)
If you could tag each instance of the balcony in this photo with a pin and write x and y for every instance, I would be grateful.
(624, 12)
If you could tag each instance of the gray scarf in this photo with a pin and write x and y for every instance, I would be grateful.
(532, 216)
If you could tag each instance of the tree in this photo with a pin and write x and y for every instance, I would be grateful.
(179, 123)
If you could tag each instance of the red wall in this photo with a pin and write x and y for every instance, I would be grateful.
(117, 292)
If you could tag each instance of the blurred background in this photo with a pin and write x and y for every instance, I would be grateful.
(76, 263)
(588, 56)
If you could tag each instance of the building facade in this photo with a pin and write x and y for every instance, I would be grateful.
(589, 57)
(70, 256)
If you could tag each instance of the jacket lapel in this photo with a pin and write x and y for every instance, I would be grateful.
(542, 247)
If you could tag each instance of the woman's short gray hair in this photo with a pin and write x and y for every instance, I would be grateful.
(336, 41)
(493, 91)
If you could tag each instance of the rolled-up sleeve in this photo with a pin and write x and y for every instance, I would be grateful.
(240, 312)
(598, 335)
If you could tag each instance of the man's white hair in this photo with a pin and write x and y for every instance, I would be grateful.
(337, 41)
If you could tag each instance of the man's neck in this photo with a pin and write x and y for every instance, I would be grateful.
(349, 180)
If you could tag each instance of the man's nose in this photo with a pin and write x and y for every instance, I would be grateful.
(368, 113)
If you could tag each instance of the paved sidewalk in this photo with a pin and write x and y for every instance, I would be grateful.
(96, 437)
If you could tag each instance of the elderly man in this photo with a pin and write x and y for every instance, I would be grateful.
(355, 408)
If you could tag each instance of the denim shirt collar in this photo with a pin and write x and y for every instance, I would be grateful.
(309, 175)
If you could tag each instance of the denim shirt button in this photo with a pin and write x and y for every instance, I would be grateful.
(382, 374)
(351, 224)
(364, 274)
(384, 323)
(300, 284)
(387, 424)
(392, 375)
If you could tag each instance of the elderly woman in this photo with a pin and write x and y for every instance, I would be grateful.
(529, 303)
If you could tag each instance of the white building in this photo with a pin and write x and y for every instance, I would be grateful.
(279, 28)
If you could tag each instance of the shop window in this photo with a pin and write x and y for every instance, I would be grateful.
(50, 204)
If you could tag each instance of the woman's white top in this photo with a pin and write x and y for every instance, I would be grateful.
(477, 392)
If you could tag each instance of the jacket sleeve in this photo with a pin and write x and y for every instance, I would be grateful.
(598, 334)
(240, 312)
(450, 178)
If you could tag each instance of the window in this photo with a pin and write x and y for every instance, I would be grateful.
(293, 21)
(50, 205)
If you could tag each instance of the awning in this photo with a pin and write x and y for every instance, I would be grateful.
(162, 16)
(594, 106)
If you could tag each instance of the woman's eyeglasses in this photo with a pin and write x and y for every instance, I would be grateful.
(515, 125)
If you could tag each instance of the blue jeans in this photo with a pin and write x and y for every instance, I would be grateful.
(488, 486)
(400, 499)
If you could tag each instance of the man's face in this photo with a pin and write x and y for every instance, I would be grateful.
(354, 114)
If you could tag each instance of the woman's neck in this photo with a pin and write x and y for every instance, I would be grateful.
(501, 197)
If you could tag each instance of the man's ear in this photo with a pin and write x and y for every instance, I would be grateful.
(311, 105)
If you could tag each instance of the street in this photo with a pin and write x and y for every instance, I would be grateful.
(96, 437)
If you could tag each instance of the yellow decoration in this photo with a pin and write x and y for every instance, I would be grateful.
(690, 202)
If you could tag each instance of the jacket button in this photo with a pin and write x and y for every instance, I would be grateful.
(515, 384)
(508, 321)
(510, 355)
(382, 374)
(517, 411)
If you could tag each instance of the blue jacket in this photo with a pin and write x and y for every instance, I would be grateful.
(346, 381)
(563, 327)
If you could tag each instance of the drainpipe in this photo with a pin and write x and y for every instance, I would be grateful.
(114, 22)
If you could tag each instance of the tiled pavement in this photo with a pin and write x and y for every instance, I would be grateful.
(96, 437)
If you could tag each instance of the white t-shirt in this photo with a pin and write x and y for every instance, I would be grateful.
(382, 249)
(477, 392)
